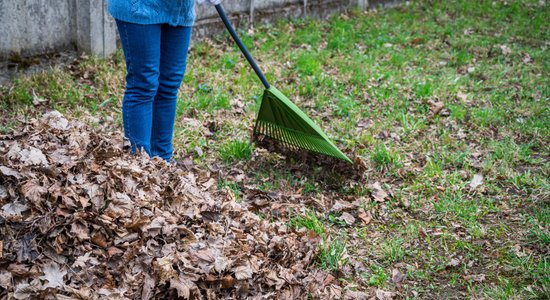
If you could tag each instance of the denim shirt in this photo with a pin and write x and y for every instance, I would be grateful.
(173, 12)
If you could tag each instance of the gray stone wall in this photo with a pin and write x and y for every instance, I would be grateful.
(33, 27)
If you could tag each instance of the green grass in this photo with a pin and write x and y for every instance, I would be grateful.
(331, 253)
(385, 159)
(235, 150)
(309, 221)
(393, 250)
(372, 81)
(377, 277)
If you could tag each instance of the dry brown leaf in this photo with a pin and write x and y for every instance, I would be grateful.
(9, 172)
(113, 251)
(228, 282)
(112, 217)
(328, 280)
(462, 96)
(13, 209)
(80, 231)
(99, 239)
(54, 275)
(384, 295)
(477, 180)
(347, 218)
(378, 193)
(397, 276)
(120, 206)
(366, 217)
(148, 287)
(33, 191)
(505, 50)
(436, 107)
(273, 280)
(454, 263)
(476, 278)
(33, 157)
(55, 120)
(5, 279)
(4, 194)
(183, 286)
(243, 272)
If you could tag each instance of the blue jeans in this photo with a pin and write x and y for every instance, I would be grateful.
(156, 57)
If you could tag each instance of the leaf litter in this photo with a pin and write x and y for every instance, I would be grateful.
(83, 219)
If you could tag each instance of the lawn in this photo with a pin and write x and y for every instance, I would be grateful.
(444, 104)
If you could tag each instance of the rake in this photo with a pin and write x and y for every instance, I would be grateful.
(281, 120)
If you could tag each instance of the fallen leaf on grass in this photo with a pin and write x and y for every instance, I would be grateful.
(416, 41)
(378, 193)
(384, 295)
(436, 107)
(397, 276)
(365, 216)
(462, 96)
(341, 206)
(453, 263)
(477, 180)
(476, 278)
(347, 218)
(505, 50)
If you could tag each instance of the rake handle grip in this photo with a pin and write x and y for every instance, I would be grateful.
(237, 40)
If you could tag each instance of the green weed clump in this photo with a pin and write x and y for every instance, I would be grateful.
(236, 150)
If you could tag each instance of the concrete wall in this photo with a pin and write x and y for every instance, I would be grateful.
(33, 27)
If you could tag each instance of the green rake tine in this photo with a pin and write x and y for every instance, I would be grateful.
(292, 138)
(285, 138)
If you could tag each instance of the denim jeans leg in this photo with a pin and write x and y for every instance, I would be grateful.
(173, 59)
(141, 46)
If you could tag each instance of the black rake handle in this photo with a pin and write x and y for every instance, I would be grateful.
(237, 40)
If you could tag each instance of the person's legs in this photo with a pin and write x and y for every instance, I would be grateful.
(173, 58)
(141, 46)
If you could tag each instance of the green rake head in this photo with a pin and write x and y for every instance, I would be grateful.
(282, 121)
(278, 118)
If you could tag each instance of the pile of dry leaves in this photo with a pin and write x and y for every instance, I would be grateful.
(81, 219)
